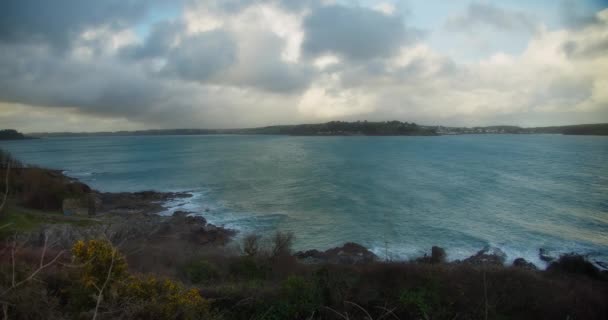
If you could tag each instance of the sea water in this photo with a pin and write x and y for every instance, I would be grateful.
(396, 195)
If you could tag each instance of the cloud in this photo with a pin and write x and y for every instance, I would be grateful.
(59, 22)
(356, 33)
(162, 38)
(199, 57)
(487, 15)
(254, 63)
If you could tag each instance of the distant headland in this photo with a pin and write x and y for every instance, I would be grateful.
(340, 128)
(11, 134)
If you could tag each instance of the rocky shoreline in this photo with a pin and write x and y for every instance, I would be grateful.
(135, 217)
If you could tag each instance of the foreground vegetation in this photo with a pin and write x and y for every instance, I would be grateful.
(97, 271)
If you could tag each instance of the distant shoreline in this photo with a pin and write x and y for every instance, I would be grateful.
(359, 128)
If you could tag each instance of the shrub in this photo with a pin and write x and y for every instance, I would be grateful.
(299, 299)
(148, 297)
(200, 271)
(97, 257)
(247, 268)
(281, 244)
(251, 245)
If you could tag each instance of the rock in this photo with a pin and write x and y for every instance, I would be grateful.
(211, 235)
(180, 214)
(349, 253)
(137, 202)
(487, 257)
(198, 220)
(437, 255)
(522, 263)
(576, 264)
(544, 255)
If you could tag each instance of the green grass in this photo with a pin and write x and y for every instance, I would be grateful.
(15, 218)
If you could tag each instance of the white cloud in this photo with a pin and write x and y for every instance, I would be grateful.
(248, 65)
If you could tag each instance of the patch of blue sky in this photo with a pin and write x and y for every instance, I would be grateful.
(162, 12)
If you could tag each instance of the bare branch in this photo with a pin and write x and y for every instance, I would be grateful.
(46, 239)
(338, 313)
(103, 287)
(32, 275)
(361, 308)
(388, 312)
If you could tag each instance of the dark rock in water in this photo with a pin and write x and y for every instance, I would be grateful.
(349, 253)
(522, 263)
(576, 264)
(437, 255)
(137, 202)
(211, 235)
(199, 220)
(544, 255)
(187, 217)
(486, 258)
(180, 214)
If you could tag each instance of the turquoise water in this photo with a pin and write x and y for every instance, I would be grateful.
(399, 195)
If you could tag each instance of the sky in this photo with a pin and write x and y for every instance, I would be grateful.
(107, 65)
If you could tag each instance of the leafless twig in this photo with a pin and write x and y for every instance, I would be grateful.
(344, 316)
(103, 287)
(388, 312)
(42, 266)
(360, 308)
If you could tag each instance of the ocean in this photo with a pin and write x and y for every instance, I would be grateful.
(395, 195)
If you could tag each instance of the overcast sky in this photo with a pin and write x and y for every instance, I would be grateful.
(73, 65)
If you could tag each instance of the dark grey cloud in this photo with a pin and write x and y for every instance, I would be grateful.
(354, 32)
(276, 76)
(57, 22)
(38, 76)
(201, 56)
(484, 14)
(157, 43)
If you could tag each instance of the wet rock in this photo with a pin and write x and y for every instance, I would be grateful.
(211, 234)
(180, 214)
(198, 220)
(349, 253)
(543, 254)
(137, 202)
(487, 257)
(438, 255)
(524, 264)
(575, 264)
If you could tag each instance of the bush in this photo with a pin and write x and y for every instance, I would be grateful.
(246, 268)
(251, 245)
(281, 244)
(148, 297)
(200, 271)
(97, 257)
